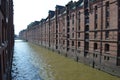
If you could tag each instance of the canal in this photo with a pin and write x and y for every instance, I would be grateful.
(32, 62)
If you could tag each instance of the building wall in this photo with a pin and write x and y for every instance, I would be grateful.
(88, 33)
(6, 38)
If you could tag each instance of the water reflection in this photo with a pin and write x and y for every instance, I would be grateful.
(33, 62)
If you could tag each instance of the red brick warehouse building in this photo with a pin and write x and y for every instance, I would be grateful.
(6, 38)
(87, 31)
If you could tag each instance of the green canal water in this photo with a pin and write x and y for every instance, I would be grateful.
(32, 62)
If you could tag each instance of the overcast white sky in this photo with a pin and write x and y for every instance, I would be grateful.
(27, 11)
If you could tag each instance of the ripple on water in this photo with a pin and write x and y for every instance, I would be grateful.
(22, 68)
(32, 62)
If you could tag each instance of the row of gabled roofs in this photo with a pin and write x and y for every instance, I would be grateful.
(61, 10)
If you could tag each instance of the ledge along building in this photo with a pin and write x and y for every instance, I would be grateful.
(87, 31)
(6, 38)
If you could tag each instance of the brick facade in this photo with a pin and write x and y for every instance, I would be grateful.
(6, 38)
(86, 30)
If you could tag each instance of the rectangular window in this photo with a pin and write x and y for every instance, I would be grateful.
(67, 17)
(79, 27)
(107, 23)
(86, 35)
(78, 34)
(86, 4)
(67, 43)
(96, 17)
(95, 35)
(95, 12)
(95, 46)
(72, 43)
(107, 5)
(79, 15)
(68, 23)
(72, 35)
(56, 41)
(106, 58)
(86, 45)
(68, 29)
(96, 8)
(56, 26)
(73, 19)
(68, 36)
(78, 44)
(56, 47)
(56, 31)
(96, 25)
(68, 49)
(86, 20)
(79, 21)
(107, 14)
(86, 48)
(86, 12)
(73, 29)
(87, 28)
(107, 34)
(56, 36)
(107, 47)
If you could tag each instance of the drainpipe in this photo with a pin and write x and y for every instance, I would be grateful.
(118, 35)
(101, 31)
(67, 13)
(49, 28)
(76, 33)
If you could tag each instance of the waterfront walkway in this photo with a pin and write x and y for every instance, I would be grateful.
(32, 62)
